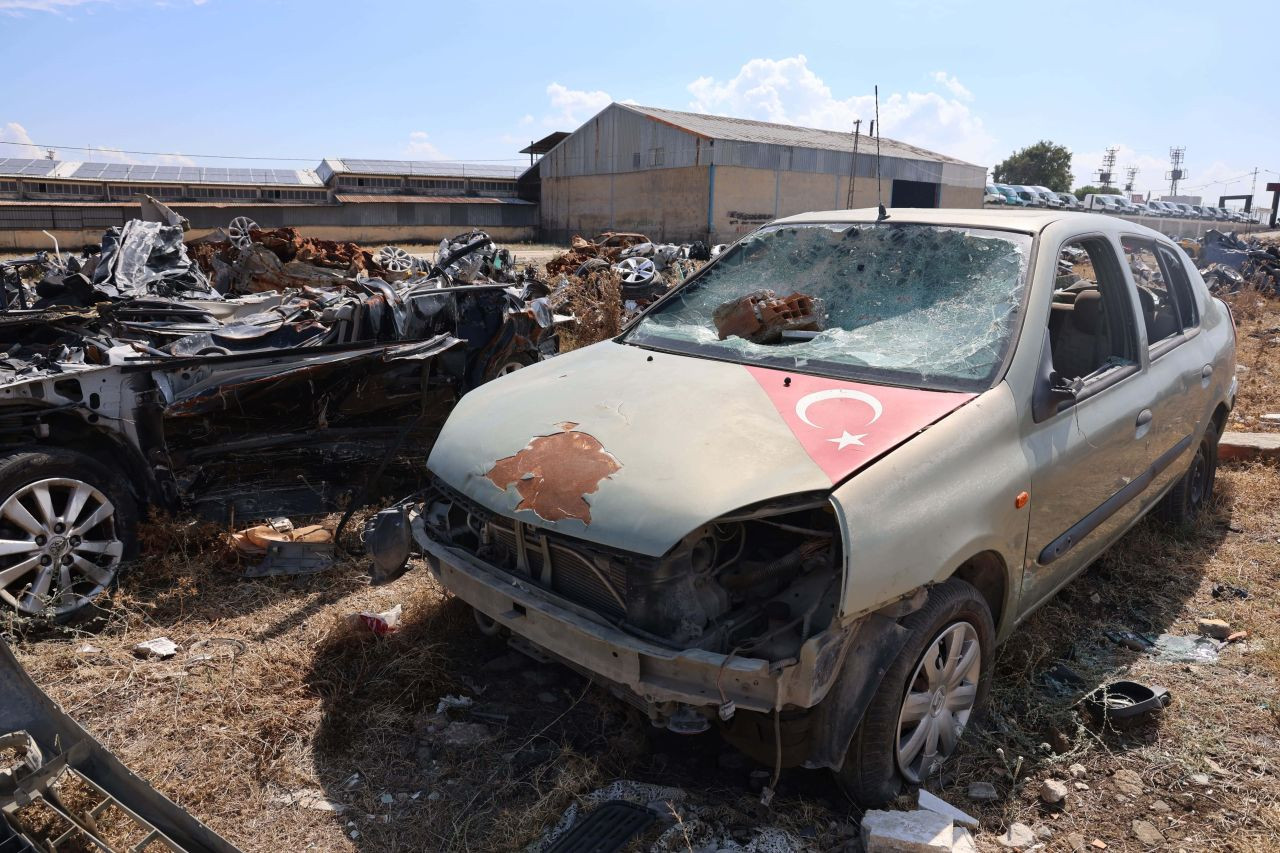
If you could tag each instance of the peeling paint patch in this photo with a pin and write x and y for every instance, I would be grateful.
(554, 473)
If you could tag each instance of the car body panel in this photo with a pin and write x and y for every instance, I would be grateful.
(689, 438)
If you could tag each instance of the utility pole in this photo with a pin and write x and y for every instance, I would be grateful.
(1176, 172)
(853, 166)
(1105, 173)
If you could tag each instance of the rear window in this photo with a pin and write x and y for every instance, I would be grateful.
(921, 305)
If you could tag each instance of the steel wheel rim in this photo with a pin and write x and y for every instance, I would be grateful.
(60, 547)
(509, 367)
(1198, 476)
(940, 697)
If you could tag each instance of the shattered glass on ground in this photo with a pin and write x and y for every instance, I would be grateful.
(919, 304)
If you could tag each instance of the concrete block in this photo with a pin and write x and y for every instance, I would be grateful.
(936, 804)
(1249, 445)
(907, 832)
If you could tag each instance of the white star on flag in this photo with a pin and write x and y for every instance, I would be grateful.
(845, 440)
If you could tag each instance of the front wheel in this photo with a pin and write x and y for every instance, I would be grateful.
(930, 694)
(65, 527)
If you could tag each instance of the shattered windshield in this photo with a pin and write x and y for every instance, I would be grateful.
(908, 304)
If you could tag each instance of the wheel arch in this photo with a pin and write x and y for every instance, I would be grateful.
(988, 572)
(70, 432)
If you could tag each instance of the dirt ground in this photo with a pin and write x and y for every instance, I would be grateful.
(286, 729)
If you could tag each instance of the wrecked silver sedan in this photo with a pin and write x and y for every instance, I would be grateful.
(805, 494)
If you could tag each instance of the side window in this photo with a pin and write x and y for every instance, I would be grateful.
(1159, 307)
(1091, 325)
(1175, 275)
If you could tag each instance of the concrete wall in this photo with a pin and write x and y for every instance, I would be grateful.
(671, 204)
(371, 223)
(746, 198)
(666, 204)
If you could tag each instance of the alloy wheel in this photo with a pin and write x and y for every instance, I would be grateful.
(59, 546)
(940, 698)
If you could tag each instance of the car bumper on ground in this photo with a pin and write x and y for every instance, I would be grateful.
(661, 678)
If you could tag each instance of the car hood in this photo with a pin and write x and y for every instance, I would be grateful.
(633, 449)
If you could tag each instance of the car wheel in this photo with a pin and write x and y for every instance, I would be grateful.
(510, 364)
(66, 525)
(1188, 498)
(929, 695)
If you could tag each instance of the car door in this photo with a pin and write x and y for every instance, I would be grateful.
(1086, 452)
(1181, 373)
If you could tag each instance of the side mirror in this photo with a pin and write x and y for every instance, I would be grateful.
(1052, 393)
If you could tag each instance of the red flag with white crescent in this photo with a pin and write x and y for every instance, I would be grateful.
(845, 425)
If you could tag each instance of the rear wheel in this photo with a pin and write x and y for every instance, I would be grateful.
(66, 525)
(930, 694)
(1188, 498)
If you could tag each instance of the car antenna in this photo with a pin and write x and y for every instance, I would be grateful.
(875, 128)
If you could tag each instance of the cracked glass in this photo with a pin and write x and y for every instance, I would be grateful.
(908, 304)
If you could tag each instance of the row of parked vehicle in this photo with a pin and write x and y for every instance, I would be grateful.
(1015, 195)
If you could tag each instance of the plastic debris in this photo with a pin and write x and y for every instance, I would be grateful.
(161, 648)
(380, 624)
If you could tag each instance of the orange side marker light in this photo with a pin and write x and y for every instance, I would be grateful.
(1021, 500)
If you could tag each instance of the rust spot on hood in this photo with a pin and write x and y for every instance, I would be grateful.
(554, 473)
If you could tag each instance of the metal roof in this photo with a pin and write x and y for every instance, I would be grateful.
(769, 133)
(546, 143)
(421, 168)
(371, 198)
(151, 173)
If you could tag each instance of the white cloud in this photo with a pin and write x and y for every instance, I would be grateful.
(787, 91)
(953, 85)
(420, 145)
(571, 107)
(14, 132)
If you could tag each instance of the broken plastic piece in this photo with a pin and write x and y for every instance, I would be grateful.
(380, 624)
(1126, 702)
(161, 648)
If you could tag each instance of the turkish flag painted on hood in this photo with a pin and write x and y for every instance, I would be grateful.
(845, 425)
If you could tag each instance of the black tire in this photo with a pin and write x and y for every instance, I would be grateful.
(1186, 501)
(510, 364)
(871, 775)
(24, 468)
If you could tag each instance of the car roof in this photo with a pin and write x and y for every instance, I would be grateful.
(1028, 220)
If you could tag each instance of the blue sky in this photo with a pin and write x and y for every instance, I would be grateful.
(428, 81)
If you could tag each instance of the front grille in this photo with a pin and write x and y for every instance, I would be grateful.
(576, 576)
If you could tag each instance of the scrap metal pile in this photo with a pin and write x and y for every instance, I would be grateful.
(603, 283)
(261, 375)
(1229, 262)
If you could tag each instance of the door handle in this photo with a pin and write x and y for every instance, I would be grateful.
(1207, 371)
(1144, 417)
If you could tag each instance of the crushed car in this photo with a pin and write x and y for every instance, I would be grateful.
(132, 381)
(805, 494)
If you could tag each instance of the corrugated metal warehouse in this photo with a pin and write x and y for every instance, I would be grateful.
(680, 176)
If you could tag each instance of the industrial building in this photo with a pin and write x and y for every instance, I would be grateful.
(343, 199)
(678, 176)
(672, 175)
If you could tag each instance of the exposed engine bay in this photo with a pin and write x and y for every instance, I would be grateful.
(755, 583)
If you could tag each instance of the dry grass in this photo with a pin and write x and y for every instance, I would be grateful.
(1258, 357)
(275, 695)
